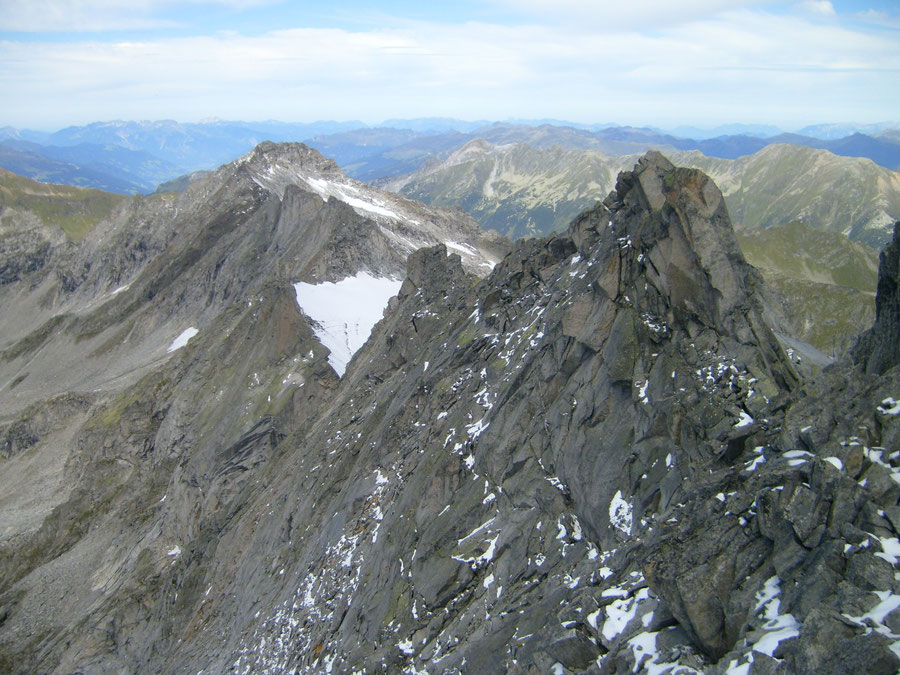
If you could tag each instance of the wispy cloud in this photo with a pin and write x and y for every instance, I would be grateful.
(880, 19)
(820, 7)
(614, 15)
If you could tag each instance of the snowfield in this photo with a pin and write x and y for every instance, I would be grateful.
(344, 312)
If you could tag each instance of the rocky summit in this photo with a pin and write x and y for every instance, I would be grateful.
(600, 457)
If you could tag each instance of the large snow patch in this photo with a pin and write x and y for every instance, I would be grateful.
(345, 312)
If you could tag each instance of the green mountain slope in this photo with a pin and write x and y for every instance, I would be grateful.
(781, 183)
(800, 251)
(75, 210)
(517, 189)
(826, 281)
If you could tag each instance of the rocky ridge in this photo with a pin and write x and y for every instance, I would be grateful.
(597, 459)
(824, 274)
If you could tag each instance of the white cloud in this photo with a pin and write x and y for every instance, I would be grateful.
(880, 19)
(97, 15)
(821, 7)
(738, 66)
(609, 15)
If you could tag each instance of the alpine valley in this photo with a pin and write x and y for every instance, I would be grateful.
(284, 421)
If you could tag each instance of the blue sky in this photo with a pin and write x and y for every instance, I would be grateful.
(655, 62)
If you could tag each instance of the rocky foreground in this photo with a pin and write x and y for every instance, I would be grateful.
(599, 458)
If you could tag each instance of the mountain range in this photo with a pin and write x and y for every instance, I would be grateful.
(598, 451)
(526, 189)
(93, 155)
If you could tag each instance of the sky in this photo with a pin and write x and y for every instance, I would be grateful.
(638, 62)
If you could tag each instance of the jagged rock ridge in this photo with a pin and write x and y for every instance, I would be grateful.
(599, 458)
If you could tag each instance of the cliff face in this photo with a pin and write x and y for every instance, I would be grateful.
(878, 349)
(597, 458)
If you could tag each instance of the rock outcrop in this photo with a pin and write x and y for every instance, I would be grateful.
(878, 349)
(599, 458)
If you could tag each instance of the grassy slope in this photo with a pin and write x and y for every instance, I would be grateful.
(781, 183)
(798, 250)
(827, 282)
(75, 210)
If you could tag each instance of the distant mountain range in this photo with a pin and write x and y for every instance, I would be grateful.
(371, 155)
(160, 151)
(523, 190)
(103, 166)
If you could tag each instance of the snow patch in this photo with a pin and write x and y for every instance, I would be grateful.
(619, 613)
(182, 339)
(462, 248)
(889, 407)
(620, 513)
(344, 312)
(835, 462)
(890, 549)
(642, 391)
(745, 420)
(778, 626)
(327, 188)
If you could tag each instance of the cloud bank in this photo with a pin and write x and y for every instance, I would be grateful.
(723, 61)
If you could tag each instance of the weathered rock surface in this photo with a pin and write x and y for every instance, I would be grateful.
(879, 348)
(597, 459)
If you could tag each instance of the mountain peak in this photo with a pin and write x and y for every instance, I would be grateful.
(677, 222)
(274, 166)
(298, 154)
(474, 148)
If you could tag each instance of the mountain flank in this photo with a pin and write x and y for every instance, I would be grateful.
(596, 457)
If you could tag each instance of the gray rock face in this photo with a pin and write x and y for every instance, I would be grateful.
(598, 458)
(879, 348)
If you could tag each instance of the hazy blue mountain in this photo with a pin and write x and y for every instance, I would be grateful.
(348, 148)
(395, 148)
(193, 146)
(881, 150)
(836, 131)
(702, 134)
(434, 125)
(109, 168)
(371, 163)
(369, 154)
(12, 134)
